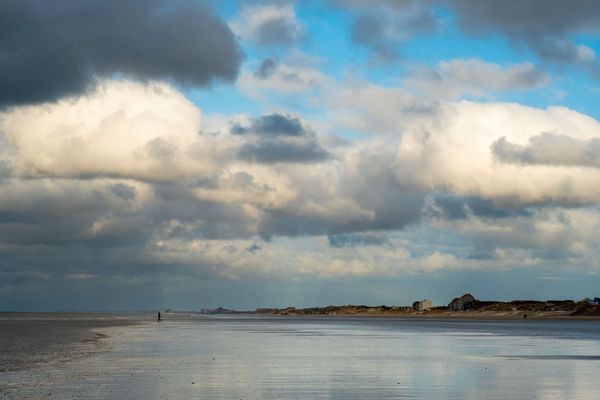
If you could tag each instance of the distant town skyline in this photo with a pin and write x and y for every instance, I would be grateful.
(248, 154)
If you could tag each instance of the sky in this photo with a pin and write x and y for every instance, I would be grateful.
(158, 154)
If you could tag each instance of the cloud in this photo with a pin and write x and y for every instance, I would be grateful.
(453, 154)
(370, 31)
(544, 235)
(277, 138)
(52, 51)
(377, 184)
(266, 69)
(90, 193)
(269, 25)
(474, 77)
(48, 212)
(547, 27)
(271, 125)
(274, 151)
(120, 129)
(529, 18)
(453, 207)
(550, 149)
(446, 146)
(297, 73)
(144, 170)
(384, 26)
(123, 190)
(373, 109)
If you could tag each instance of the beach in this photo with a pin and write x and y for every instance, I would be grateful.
(279, 357)
(32, 340)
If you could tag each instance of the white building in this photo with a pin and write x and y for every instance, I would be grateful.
(422, 305)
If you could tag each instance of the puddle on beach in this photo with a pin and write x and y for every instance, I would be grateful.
(326, 358)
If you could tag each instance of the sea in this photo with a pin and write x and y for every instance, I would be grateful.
(278, 357)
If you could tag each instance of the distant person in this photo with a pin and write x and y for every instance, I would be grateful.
(159, 317)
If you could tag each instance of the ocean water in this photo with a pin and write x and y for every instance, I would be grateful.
(231, 357)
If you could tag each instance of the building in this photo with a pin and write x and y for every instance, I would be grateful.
(422, 305)
(462, 303)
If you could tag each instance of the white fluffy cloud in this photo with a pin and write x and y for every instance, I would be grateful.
(453, 146)
(455, 154)
(122, 129)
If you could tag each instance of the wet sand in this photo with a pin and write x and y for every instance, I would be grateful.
(31, 340)
(253, 357)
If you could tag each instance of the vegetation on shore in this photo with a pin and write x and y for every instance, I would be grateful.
(550, 307)
(484, 308)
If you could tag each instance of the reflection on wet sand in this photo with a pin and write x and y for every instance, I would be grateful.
(327, 358)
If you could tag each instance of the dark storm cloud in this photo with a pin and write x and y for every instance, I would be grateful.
(357, 239)
(550, 149)
(278, 138)
(546, 26)
(53, 49)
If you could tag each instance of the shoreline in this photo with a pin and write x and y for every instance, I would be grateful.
(457, 309)
(474, 316)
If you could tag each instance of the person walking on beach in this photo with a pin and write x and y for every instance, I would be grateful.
(159, 316)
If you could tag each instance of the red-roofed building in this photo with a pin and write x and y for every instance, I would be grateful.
(462, 303)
